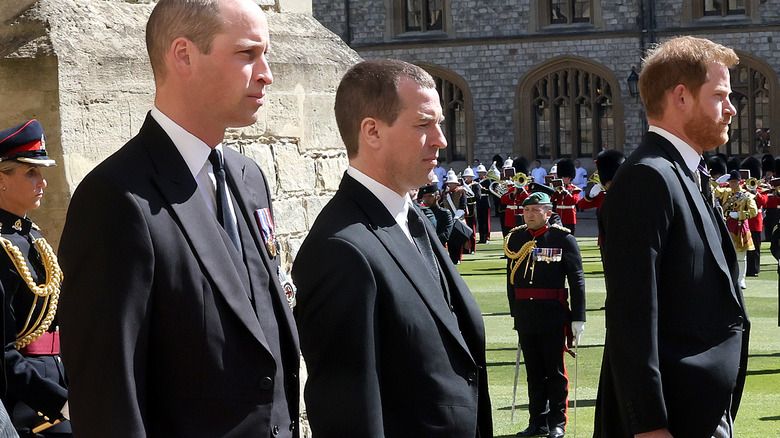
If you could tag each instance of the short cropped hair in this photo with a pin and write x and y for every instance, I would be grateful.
(682, 60)
(370, 89)
(197, 20)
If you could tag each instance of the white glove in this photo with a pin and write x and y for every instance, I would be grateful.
(577, 327)
(734, 215)
(65, 411)
(594, 191)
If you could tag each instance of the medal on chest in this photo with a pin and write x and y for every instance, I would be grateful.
(266, 223)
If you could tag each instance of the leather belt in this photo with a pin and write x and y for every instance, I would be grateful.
(48, 344)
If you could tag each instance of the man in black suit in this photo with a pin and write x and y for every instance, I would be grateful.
(393, 339)
(675, 353)
(174, 323)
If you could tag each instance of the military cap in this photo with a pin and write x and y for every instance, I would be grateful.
(25, 143)
(734, 175)
(607, 163)
(537, 198)
(428, 188)
(566, 168)
(537, 187)
(752, 164)
(716, 165)
(768, 163)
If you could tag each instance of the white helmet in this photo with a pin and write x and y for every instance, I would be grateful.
(554, 169)
(451, 177)
(481, 168)
(508, 163)
(469, 172)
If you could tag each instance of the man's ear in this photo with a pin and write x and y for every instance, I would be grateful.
(680, 97)
(179, 55)
(370, 131)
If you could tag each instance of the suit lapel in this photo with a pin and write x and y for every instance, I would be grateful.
(249, 198)
(180, 191)
(403, 252)
(708, 223)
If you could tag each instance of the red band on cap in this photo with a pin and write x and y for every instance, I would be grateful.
(31, 146)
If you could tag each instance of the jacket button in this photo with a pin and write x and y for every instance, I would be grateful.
(275, 430)
(472, 377)
(266, 383)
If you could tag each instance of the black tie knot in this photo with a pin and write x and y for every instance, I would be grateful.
(215, 157)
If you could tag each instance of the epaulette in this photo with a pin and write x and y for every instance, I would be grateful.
(521, 227)
(562, 228)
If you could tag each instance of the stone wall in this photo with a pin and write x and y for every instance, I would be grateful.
(493, 44)
(80, 66)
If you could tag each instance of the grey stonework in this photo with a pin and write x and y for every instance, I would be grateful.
(81, 68)
(493, 44)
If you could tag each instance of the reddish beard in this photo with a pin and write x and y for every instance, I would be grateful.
(707, 133)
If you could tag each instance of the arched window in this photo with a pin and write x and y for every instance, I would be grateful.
(753, 88)
(572, 112)
(458, 115)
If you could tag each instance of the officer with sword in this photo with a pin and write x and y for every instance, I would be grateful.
(549, 318)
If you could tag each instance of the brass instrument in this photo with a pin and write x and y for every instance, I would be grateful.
(594, 178)
(751, 184)
(501, 187)
(520, 179)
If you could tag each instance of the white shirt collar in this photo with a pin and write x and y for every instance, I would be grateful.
(689, 155)
(194, 151)
(396, 205)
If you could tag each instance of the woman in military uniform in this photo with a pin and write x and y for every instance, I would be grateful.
(35, 394)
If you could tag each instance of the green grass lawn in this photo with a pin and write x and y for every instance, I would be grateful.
(485, 273)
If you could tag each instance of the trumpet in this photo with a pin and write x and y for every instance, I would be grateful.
(520, 179)
(594, 178)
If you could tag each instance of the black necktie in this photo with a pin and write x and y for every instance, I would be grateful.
(704, 177)
(420, 237)
(227, 220)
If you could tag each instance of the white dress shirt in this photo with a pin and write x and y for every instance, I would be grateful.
(196, 155)
(397, 205)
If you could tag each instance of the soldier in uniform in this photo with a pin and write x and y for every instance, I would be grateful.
(454, 199)
(738, 207)
(35, 394)
(483, 204)
(568, 195)
(441, 218)
(543, 258)
(473, 192)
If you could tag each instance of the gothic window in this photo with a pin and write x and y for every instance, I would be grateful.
(749, 131)
(423, 15)
(569, 11)
(572, 114)
(723, 7)
(454, 108)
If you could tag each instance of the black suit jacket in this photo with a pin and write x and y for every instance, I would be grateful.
(677, 331)
(158, 333)
(386, 356)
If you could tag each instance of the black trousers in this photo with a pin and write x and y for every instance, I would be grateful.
(483, 218)
(548, 386)
(471, 221)
(754, 257)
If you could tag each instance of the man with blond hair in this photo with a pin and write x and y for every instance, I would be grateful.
(675, 352)
(174, 322)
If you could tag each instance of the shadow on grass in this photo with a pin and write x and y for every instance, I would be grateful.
(502, 349)
(765, 355)
(582, 403)
(503, 364)
(777, 418)
(762, 372)
(496, 314)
